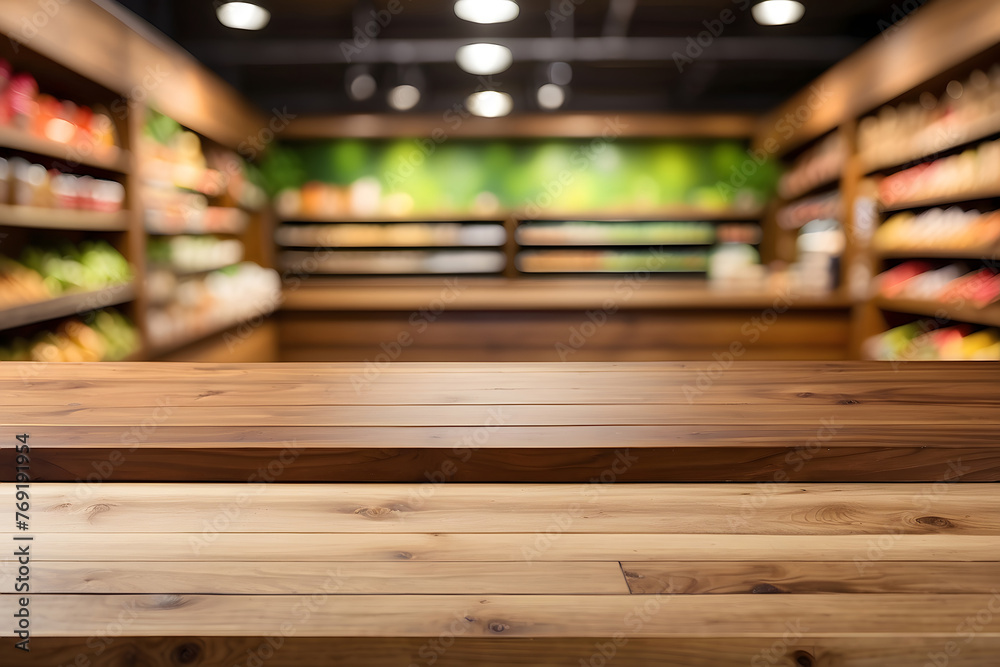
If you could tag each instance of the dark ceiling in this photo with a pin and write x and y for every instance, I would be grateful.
(621, 51)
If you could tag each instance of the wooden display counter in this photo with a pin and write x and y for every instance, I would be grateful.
(625, 318)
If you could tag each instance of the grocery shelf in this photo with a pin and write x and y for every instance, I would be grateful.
(816, 188)
(539, 293)
(941, 200)
(189, 272)
(62, 218)
(200, 333)
(66, 306)
(939, 253)
(669, 214)
(388, 219)
(988, 316)
(975, 131)
(110, 159)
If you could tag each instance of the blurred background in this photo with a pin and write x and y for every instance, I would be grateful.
(488, 180)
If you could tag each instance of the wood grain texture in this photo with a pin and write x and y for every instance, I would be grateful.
(710, 458)
(332, 615)
(259, 507)
(797, 577)
(464, 651)
(460, 651)
(350, 578)
(219, 545)
(403, 422)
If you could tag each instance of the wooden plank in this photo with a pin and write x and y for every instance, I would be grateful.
(701, 460)
(783, 576)
(929, 371)
(412, 294)
(446, 651)
(895, 616)
(221, 545)
(643, 329)
(500, 389)
(318, 354)
(843, 412)
(805, 438)
(819, 509)
(354, 578)
(463, 651)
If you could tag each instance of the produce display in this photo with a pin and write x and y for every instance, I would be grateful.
(924, 341)
(938, 229)
(199, 305)
(174, 159)
(394, 261)
(611, 261)
(965, 110)
(26, 184)
(45, 273)
(414, 178)
(969, 173)
(820, 164)
(104, 335)
(402, 234)
(822, 207)
(189, 254)
(24, 108)
(615, 233)
(949, 284)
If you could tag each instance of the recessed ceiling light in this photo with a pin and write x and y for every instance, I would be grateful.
(486, 11)
(777, 12)
(242, 15)
(484, 59)
(551, 96)
(489, 103)
(404, 98)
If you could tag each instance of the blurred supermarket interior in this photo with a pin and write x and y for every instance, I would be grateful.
(490, 180)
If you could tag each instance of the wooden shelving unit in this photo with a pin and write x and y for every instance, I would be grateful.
(959, 312)
(103, 75)
(944, 200)
(110, 159)
(944, 41)
(65, 219)
(66, 305)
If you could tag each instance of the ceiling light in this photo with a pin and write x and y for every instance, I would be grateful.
(404, 98)
(486, 11)
(484, 59)
(489, 103)
(777, 12)
(242, 15)
(551, 96)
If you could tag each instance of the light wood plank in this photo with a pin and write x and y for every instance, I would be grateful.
(513, 547)
(514, 415)
(827, 509)
(895, 616)
(828, 576)
(303, 578)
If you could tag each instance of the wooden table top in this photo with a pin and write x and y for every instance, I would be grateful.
(528, 422)
(869, 573)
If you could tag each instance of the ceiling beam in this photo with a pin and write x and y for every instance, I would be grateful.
(525, 49)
